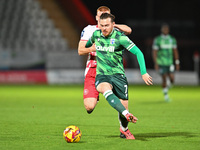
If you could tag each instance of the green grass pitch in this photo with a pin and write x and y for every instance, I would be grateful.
(34, 117)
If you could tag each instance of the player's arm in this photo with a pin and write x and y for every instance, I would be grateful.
(130, 46)
(140, 57)
(154, 54)
(176, 57)
(82, 50)
(124, 28)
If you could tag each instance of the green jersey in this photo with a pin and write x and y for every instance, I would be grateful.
(164, 45)
(110, 51)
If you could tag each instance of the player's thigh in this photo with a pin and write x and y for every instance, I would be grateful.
(103, 83)
(120, 86)
(89, 88)
(166, 69)
(163, 70)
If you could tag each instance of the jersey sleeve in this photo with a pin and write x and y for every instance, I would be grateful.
(155, 45)
(86, 33)
(130, 46)
(126, 42)
(89, 43)
(140, 58)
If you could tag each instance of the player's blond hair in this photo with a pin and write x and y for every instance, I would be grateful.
(103, 8)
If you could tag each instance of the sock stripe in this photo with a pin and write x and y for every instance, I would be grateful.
(107, 93)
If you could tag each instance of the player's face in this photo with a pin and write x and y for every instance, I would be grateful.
(165, 30)
(106, 26)
(99, 14)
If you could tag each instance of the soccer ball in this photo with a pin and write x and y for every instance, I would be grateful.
(72, 134)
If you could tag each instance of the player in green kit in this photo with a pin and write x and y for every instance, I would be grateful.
(164, 53)
(110, 79)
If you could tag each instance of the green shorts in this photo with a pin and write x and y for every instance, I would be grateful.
(166, 69)
(119, 83)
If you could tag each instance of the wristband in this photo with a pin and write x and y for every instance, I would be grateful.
(177, 62)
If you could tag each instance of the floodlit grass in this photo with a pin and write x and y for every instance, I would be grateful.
(33, 117)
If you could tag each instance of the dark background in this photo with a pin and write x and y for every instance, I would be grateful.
(145, 18)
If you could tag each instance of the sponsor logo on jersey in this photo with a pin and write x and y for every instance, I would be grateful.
(112, 41)
(82, 33)
(166, 46)
(107, 49)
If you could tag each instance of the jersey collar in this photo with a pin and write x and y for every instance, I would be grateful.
(108, 35)
(164, 36)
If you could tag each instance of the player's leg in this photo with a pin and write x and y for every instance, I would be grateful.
(90, 94)
(103, 85)
(124, 131)
(171, 75)
(106, 89)
(164, 87)
(164, 73)
(122, 120)
(90, 104)
(164, 80)
(171, 78)
(120, 88)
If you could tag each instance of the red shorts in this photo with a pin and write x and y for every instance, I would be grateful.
(89, 85)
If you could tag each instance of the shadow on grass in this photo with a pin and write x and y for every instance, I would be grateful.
(147, 136)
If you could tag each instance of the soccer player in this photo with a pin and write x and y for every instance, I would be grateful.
(164, 52)
(90, 93)
(110, 79)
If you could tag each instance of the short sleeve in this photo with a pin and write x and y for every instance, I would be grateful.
(86, 33)
(155, 45)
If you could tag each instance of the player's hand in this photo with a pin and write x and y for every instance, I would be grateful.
(93, 48)
(147, 79)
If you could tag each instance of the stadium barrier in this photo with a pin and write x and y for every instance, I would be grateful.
(76, 76)
(23, 77)
(72, 76)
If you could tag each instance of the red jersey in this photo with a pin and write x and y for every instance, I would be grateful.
(85, 36)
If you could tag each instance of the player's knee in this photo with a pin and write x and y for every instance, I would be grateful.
(89, 109)
(90, 104)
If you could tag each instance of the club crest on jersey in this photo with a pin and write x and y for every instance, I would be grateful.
(112, 41)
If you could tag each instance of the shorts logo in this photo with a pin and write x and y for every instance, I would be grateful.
(97, 82)
(86, 91)
(112, 41)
